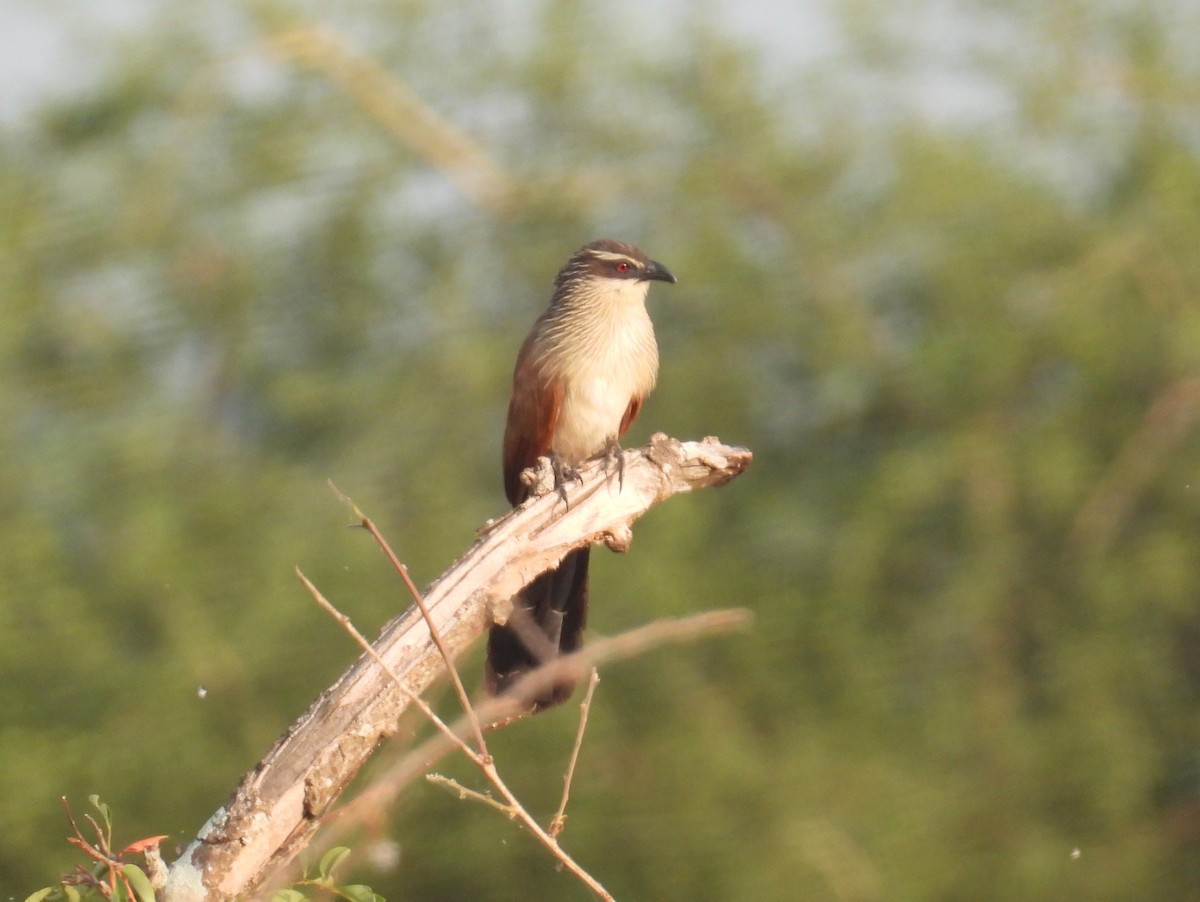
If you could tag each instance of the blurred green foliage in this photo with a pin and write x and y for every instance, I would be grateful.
(966, 354)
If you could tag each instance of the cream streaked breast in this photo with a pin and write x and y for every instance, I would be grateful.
(610, 358)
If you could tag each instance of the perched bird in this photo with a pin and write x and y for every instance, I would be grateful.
(581, 376)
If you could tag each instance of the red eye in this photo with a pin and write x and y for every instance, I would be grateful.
(623, 267)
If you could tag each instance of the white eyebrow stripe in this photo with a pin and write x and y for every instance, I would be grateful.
(612, 257)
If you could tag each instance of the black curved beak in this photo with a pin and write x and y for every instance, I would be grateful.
(655, 271)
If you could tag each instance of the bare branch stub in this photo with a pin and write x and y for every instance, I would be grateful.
(279, 804)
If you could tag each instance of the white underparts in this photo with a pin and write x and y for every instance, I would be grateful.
(613, 359)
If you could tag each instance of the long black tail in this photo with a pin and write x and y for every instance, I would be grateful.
(548, 620)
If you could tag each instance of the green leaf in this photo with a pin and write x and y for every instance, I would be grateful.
(72, 893)
(289, 895)
(139, 881)
(105, 812)
(40, 894)
(331, 859)
(356, 892)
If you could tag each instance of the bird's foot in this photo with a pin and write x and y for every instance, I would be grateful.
(562, 475)
(614, 459)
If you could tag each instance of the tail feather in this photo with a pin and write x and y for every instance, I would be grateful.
(548, 620)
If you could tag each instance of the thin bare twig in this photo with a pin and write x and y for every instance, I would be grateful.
(512, 806)
(560, 817)
(452, 737)
(434, 633)
(464, 793)
(529, 823)
(367, 805)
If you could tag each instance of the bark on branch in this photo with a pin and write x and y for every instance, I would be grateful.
(279, 804)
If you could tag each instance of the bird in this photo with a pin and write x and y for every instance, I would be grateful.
(580, 379)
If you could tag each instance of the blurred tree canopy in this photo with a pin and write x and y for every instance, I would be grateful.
(258, 252)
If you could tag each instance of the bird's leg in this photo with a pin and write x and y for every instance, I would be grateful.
(614, 458)
(562, 475)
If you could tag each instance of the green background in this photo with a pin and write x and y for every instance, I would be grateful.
(943, 277)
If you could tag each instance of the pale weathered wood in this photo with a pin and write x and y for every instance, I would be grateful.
(278, 805)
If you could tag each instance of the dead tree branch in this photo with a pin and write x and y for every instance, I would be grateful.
(279, 804)
(376, 799)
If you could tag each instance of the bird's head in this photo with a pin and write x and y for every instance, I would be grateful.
(605, 262)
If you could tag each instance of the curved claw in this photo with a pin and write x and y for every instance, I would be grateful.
(614, 458)
(562, 475)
